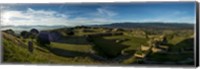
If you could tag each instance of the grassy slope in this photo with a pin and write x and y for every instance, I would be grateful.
(79, 32)
(14, 53)
(72, 47)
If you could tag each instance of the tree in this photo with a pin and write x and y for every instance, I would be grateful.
(33, 33)
(24, 34)
(10, 31)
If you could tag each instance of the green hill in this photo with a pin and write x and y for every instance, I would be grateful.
(15, 51)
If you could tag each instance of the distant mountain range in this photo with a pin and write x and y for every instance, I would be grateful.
(148, 25)
(28, 27)
(113, 25)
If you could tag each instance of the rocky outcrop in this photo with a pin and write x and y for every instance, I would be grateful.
(142, 55)
(145, 48)
(156, 50)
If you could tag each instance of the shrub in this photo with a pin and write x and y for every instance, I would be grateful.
(10, 31)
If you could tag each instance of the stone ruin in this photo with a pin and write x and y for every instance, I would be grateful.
(156, 45)
(30, 47)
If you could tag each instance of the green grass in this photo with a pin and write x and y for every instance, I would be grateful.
(132, 42)
(140, 52)
(108, 45)
(72, 47)
(129, 60)
(176, 40)
(79, 32)
(14, 53)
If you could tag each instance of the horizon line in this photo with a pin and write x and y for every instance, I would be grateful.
(109, 23)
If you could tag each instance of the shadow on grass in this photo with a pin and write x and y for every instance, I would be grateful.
(78, 40)
(188, 43)
(66, 53)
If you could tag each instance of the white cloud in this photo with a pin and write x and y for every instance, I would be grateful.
(32, 17)
(107, 12)
(90, 21)
(104, 12)
(48, 17)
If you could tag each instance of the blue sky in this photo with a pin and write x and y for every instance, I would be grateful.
(97, 13)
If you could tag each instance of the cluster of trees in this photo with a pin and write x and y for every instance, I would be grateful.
(31, 34)
(24, 34)
(41, 37)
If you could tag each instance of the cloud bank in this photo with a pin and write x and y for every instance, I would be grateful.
(50, 18)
